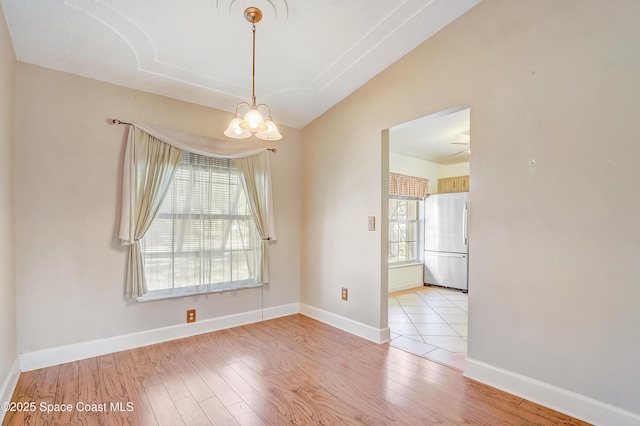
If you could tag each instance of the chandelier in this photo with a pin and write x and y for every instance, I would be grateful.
(253, 121)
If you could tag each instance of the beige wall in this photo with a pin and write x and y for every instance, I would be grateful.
(8, 351)
(70, 267)
(554, 269)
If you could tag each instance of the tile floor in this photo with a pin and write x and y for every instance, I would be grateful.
(430, 322)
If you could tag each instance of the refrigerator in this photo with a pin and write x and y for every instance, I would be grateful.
(446, 248)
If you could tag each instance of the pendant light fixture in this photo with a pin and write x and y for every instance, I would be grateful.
(253, 122)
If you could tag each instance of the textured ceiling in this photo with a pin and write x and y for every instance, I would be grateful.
(442, 138)
(310, 53)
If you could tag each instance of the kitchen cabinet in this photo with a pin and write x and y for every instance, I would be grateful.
(453, 184)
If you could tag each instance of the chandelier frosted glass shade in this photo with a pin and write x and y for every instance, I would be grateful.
(253, 122)
(235, 131)
(272, 133)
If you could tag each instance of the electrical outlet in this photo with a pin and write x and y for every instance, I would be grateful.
(345, 293)
(191, 315)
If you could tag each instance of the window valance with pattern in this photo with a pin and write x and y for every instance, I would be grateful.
(407, 186)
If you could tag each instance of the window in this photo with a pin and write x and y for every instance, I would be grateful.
(404, 229)
(203, 238)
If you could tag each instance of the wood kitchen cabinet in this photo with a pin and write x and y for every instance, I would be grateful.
(453, 184)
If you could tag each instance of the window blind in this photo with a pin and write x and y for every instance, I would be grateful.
(204, 233)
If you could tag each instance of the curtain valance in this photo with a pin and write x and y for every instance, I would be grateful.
(151, 157)
(202, 145)
(407, 186)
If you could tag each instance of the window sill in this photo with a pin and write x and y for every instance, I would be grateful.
(195, 291)
(404, 265)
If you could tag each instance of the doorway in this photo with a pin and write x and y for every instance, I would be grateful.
(429, 321)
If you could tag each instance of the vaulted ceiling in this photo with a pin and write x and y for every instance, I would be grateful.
(310, 53)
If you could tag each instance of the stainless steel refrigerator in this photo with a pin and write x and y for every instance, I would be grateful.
(446, 255)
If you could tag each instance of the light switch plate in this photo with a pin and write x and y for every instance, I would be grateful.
(372, 223)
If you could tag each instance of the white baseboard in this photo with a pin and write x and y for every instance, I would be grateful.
(377, 335)
(559, 399)
(59, 355)
(9, 385)
(404, 287)
(281, 311)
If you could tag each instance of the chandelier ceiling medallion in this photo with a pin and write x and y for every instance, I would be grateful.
(253, 122)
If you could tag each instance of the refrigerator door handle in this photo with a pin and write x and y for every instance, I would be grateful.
(464, 223)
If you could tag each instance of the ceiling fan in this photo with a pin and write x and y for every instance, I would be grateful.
(468, 150)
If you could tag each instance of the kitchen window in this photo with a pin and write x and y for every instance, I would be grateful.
(405, 229)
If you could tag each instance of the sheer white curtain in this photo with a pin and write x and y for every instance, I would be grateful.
(151, 158)
(148, 171)
(255, 172)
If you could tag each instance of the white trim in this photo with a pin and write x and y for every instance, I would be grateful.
(404, 265)
(61, 354)
(405, 287)
(9, 385)
(377, 335)
(174, 293)
(559, 399)
(281, 311)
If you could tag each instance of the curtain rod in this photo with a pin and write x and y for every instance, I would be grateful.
(116, 121)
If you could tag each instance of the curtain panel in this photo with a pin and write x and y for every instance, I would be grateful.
(255, 173)
(151, 158)
(149, 168)
(407, 186)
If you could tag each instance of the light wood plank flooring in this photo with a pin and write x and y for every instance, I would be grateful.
(291, 370)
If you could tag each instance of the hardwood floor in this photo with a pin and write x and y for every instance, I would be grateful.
(291, 370)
